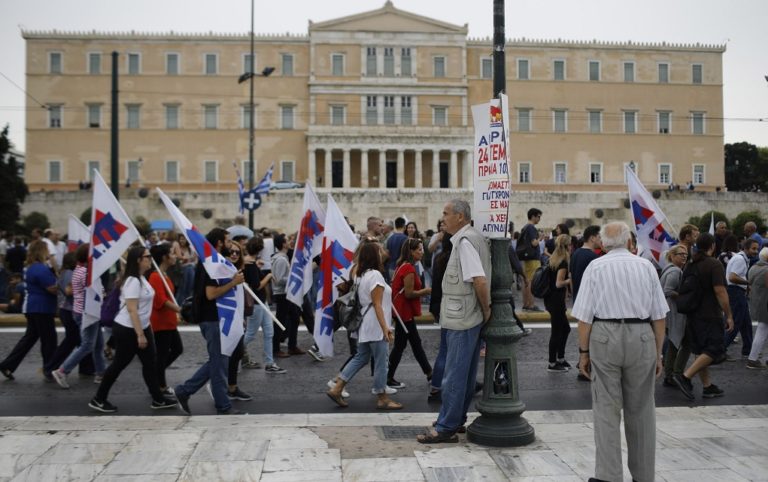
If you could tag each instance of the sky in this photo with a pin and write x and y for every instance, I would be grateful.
(740, 24)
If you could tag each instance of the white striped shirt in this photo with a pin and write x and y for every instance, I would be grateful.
(620, 285)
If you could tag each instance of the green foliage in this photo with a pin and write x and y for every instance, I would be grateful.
(35, 220)
(705, 219)
(14, 189)
(746, 216)
(85, 217)
(746, 167)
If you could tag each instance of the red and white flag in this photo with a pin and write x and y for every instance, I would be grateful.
(649, 219)
(309, 244)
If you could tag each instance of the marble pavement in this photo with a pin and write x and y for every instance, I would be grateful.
(717, 443)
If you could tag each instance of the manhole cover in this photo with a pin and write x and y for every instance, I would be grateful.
(402, 433)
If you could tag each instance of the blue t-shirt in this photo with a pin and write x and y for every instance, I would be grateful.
(394, 245)
(580, 259)
(38, 277)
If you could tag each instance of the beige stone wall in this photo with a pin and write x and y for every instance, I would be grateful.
(281, 209)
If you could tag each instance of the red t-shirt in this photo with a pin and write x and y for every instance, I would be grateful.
(408, 308)
(162, 318)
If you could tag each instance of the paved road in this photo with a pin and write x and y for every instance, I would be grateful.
(302, 389)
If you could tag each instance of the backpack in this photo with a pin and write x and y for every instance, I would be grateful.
(349, 310)
(110, 306)
(525, 250)
(541, 284)
(689, 293)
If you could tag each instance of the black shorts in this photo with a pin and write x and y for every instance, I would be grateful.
(707, 336)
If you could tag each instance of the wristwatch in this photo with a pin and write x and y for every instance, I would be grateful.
(583, 351)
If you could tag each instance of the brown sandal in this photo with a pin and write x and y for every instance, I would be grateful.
(336, 397)
(438, 438)
(389, 405)
(461, 429)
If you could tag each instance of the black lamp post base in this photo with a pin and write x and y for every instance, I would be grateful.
(500, 431)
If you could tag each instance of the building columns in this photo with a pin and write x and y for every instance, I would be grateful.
(346, 169)
(453, 178)
(364, 168)
(400, 168)
(312, 165)
(435, 168)
(417, 171)
(328, 156)
(382, 168)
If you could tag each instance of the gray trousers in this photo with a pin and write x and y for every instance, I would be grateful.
(623, 366)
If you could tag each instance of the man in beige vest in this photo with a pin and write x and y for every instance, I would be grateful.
(465, 307)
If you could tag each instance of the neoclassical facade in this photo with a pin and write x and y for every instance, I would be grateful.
(377, 100)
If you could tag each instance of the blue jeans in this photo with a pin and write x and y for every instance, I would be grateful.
(741, 319)
(463, 353)
(377, 349)
(91, 342)
(215, 369)
(438, 370)
(260, 318)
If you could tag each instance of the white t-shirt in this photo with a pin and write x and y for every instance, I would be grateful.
(370, 329)
(739, 265)
(266, 253)
(133, 289)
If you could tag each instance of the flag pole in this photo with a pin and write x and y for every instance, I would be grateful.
(271, 315)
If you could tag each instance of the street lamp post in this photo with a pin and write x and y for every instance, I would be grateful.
(249, 76)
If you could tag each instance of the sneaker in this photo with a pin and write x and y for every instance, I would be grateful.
(314, 353)
(685, 385)
(387, 389)
(97, 379)
(231, 411)
(168, 392)
(556, 368)
(7, 374)
(332, 383)
(238, 394)
(164, 403)
(251, 364)
(47, 376)
(712, 391)
(755, 365)
(527, 331)
(565, 364)
(104, 407)
(668, 382)
(392, 383)
(183, 400)
(60, 377)
(274, 369)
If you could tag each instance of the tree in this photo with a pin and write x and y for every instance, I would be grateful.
(85, 217)
(743, 218)
(705, 220)
(14, 189)
(35, 220)
(746, 167)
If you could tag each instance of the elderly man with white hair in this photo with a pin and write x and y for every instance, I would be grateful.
(758, 307)
(621, 311)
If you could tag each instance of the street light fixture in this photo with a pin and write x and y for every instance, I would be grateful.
(246, 77)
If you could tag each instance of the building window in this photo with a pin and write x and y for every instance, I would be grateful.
(560, 120)
(134, 64)
(287, 170)
(133, 119)
(440, 116)
(54, 116)
(698, 173)
(370, 62)
(524, 172)
(629, 71)
(211, 171)
(92, 167)
(595, 121)
(171, 171)
(561, 173)
(523, 68)
(55, 62)
(94, 115)
(665, 174)
(595, 173)
(94, 63)
(405, 62)
(524, 120)
(665, 122)
(389, 109)
(248, 63)
(663, 73)
(172, 64)
(486, 68)
(697, 123)
(371, 112)
(287, 64)
(54, 171)
(338, 115)
(286, 116)
(594, 70)
(337, 65)
(132, 172)
(211, 64)
(406, 111)
(210, 116)
(389, 62)
(171, 116)
(245, 116)
(630, 121)
(558, 69)
(438, 64)
(696, 73)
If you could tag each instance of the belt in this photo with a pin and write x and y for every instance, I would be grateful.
(622, 320)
